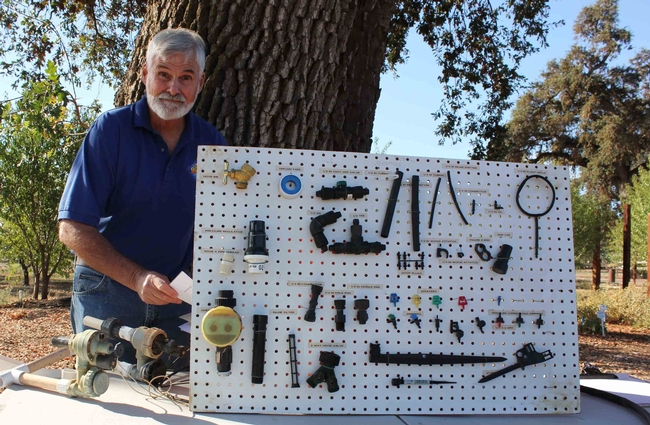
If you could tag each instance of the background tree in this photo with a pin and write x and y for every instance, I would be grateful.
(294, 73)
(39, 139)
(14, 249)
(592, 219)
(586, 111)
(637, 195)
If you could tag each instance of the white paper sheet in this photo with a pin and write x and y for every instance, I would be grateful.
(186, 327)
(183, 285)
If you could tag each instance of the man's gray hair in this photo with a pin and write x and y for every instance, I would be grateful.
(173, 41)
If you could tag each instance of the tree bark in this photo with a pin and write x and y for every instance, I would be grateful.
(298, 74)
(25, 268)
(596, 268)
(647, 275)
(627, 243)
(37, 284)
(45, 287)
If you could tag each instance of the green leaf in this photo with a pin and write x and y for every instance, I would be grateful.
(51, 72)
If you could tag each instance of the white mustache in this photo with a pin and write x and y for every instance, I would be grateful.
(176, 97)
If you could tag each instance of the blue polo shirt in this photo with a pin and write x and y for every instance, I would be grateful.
(124, 183)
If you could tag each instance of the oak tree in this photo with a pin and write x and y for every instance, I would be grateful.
(588, 110)
(593, 219)
(293, 73)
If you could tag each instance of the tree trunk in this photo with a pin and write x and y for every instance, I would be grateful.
(45, 276)
(299, 74)
(25, 268)
(45, 287)
(596, 268)
(37, 284)
(627, 242)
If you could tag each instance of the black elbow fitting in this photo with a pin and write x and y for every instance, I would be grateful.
(317, 226)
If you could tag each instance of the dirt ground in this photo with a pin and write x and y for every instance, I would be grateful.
(623, 349)
(27, 328)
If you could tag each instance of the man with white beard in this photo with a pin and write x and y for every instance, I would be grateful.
(127, 211)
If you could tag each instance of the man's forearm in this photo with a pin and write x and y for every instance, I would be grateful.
(91, 246)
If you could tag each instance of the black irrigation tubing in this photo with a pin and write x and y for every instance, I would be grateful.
(453, 196)
(392, 202)
(415, 211)
(433, 205)
(535, 216)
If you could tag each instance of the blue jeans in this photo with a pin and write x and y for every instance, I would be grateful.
(97, 295)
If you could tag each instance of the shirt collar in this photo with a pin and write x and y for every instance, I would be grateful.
(141, 117)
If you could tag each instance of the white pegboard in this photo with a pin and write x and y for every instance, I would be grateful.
(531, 286)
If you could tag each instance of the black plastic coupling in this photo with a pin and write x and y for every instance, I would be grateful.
(310, 315)
(317, 226)
(111, 327)
(342, 191)
(224, 360)
(362, 305)
(225, 298)
(501, 264)
(339, 319)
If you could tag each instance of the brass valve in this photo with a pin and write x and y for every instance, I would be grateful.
(241, 176)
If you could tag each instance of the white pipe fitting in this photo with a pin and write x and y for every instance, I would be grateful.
(12, 376)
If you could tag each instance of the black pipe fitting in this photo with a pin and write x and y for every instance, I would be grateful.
(480, 324)
(325, 373)
(357, 245)
(316, 290)
(259, 347)
(256, 239)
(501, 264)
(342, 191)
(362, 305)
(339, 319)
(317, 226)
